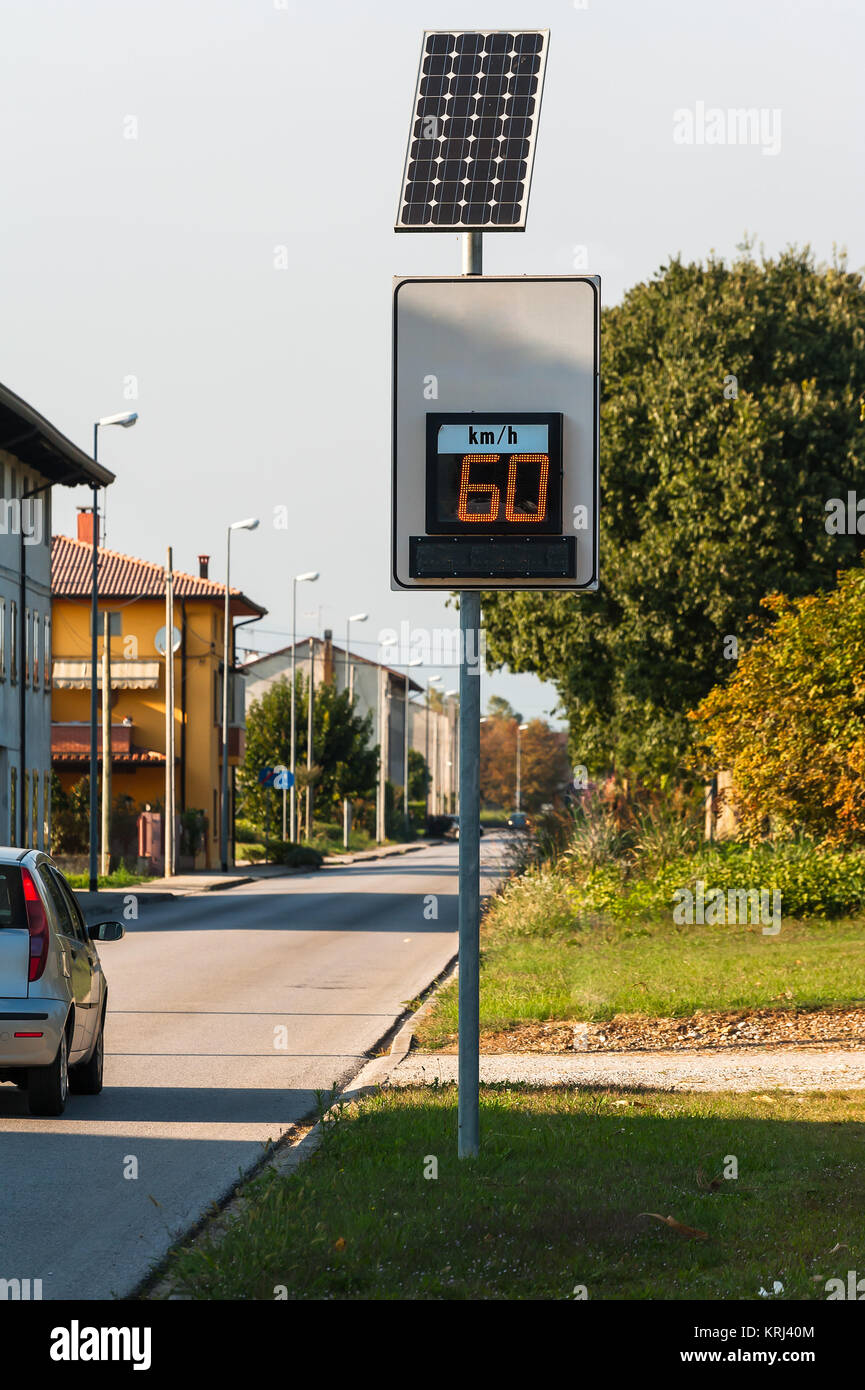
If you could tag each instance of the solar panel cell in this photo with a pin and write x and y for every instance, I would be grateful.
(469, 159)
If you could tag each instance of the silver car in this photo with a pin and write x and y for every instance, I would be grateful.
(53, 993)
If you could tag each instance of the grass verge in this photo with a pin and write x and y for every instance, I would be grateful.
(554, 1201)
(656, 970)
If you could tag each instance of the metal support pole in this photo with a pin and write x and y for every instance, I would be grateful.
(406, 711)
(470, 843)
(519, 779)
(94, 706)
(469, 875)
(170, 847)
(225, 659)
(310, 701)
(106, 743)
(292, 834)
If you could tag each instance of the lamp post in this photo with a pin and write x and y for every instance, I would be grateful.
(308, 578)
(248, 525)
(520, 728)
(432, 680)
(452, 755)
(418, 661)
(355, 618)
(349, 685)
(124, 420)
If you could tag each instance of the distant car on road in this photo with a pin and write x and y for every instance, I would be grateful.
(53, 993)
(518, 820)
(453, 830)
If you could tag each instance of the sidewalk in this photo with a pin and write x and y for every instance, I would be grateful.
(188, 885)
(757, 1070)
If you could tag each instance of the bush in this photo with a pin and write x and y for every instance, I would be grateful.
(813, 880)
(296, 856)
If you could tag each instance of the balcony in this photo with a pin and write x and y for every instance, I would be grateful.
(70, 745)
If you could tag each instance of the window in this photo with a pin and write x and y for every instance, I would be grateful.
(62, 911)
(78, 927)
(46, 811)
(2, 639)
(13, 806)
(13, 642)
(26, 646)
(46, 652)
(34, 818)
(35, 651)
(25, 808)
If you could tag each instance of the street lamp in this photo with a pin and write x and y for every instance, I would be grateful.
(355, 618)
(248, 525)
(520, 728)
(308, 578)
(124, 419)
(418, 661)
(452, 760)
(349, 685)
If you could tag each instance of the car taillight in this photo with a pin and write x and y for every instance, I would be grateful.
(37, 925)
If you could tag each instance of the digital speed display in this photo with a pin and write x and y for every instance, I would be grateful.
(494, 474)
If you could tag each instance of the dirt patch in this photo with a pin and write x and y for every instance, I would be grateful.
(820, 1029)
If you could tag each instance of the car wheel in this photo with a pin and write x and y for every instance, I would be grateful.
(86, 1078)
(48, 1088)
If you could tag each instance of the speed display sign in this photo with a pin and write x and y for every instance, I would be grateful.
(495, 432)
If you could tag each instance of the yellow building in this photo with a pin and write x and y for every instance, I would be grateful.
(132, 592)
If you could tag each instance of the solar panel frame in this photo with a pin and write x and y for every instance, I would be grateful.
(463, 52)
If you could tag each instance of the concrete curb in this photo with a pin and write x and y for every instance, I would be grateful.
(333, 861)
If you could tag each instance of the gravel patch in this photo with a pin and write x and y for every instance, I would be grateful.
(750, 1070)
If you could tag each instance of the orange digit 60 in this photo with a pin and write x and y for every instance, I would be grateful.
(489, 489)
(511, 514)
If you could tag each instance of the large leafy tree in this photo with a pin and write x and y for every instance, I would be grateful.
(732, 413)
(344, 764)
(790, 723)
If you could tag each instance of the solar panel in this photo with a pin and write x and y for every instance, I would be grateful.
(469, 160)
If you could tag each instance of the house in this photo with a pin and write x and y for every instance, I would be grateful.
(34, 457)
(132, 593)
(375, 686)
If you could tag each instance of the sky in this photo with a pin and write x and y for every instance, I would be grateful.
(198, 207)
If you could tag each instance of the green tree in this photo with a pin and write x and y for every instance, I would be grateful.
(343, 763)
(790, 723)
(418, 776)
(732, 412)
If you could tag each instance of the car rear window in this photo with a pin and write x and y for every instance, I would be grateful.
(12, 910)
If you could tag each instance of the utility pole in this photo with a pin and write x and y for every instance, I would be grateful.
(106, 743)
(169, 717)
(309, 706)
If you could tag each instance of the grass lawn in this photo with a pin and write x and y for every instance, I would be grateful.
(120, 878)
(659, 970)
(554, 1201)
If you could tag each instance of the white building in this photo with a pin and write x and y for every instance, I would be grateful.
(34, 456)
(381, 690)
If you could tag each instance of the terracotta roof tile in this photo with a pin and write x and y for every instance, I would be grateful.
(124, 576)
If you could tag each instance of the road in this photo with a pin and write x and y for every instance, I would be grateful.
(226, 1012)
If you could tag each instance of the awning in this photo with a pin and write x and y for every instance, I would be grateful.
(125, 675)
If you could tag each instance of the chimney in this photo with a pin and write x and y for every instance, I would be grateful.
(327, 664)
(85, 525)
(203, 563)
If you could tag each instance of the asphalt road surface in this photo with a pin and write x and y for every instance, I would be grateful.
(227, 1011)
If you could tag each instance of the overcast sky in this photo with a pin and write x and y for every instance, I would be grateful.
(156, 154)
